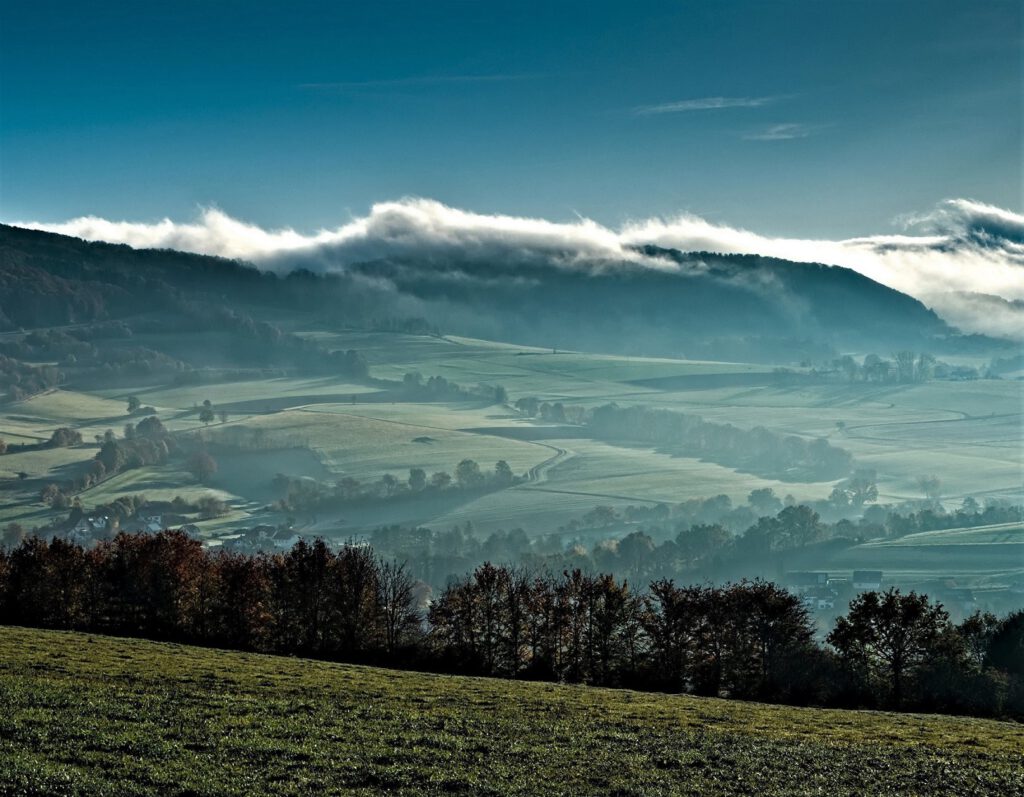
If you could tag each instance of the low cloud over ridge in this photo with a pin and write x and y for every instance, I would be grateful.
(965, 259)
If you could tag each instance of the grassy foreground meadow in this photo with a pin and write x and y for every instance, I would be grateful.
(85, 714)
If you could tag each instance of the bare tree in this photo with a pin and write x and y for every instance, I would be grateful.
(397, 600)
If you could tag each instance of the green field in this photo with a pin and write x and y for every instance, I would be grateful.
(989, 557)
(96, 715)
(968, 434)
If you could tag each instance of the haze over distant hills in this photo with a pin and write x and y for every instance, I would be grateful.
(963, 258)
(695, 304)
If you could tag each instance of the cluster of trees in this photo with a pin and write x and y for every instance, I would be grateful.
(61, 437)
(303, 494)
(970, 514)
(20, 380)
(688, 542)
(750, 640)
(115, 365)
(77, 350)
(718, 509)
(696, 550)
(756, 450)
(310, 600)
(905, 367)
(551, 411)
(261, 344)
(64, 437)
(146, 443)
(437, 388)
(98, 295)
(91, 354)
(47, 345)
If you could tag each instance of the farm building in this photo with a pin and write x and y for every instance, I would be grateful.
(865, 580)
(801, 581)
(89, 529)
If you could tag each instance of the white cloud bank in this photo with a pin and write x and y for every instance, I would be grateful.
(965, 259)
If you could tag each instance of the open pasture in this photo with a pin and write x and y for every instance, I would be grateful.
(96, 715)
(524, 370)
(156, 482)
(365, 447)
(66, 408)
(645, 474)
(590, 473)
(276, 392)
(969, 434)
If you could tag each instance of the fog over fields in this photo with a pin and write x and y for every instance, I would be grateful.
(627, 391)
(511, 398)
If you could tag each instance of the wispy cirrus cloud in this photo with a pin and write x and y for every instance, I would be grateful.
(780, 132)
(703, 104)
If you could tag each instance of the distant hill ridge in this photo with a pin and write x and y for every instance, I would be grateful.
(739, 307)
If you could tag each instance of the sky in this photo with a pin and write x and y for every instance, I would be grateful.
(797, 120)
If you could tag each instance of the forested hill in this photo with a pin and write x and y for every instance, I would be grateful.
(712, 306)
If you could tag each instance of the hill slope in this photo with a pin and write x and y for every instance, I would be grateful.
(99, 715)
(730, 307)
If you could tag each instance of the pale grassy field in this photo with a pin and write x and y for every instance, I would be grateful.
(523, 370)
(229, 393)
(366, 447)
(968, 434)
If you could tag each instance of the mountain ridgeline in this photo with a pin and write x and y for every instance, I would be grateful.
(698, 305)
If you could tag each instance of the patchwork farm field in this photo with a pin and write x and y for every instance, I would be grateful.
(968, 434)
(97, 715)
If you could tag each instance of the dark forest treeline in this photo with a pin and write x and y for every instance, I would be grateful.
(107, 352)
(714, 307)
(750, 640)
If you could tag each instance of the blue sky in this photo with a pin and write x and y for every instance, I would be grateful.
(789, 118)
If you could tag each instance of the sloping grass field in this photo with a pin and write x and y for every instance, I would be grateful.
(98, 715)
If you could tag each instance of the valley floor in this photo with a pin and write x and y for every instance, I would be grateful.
(84, 714)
